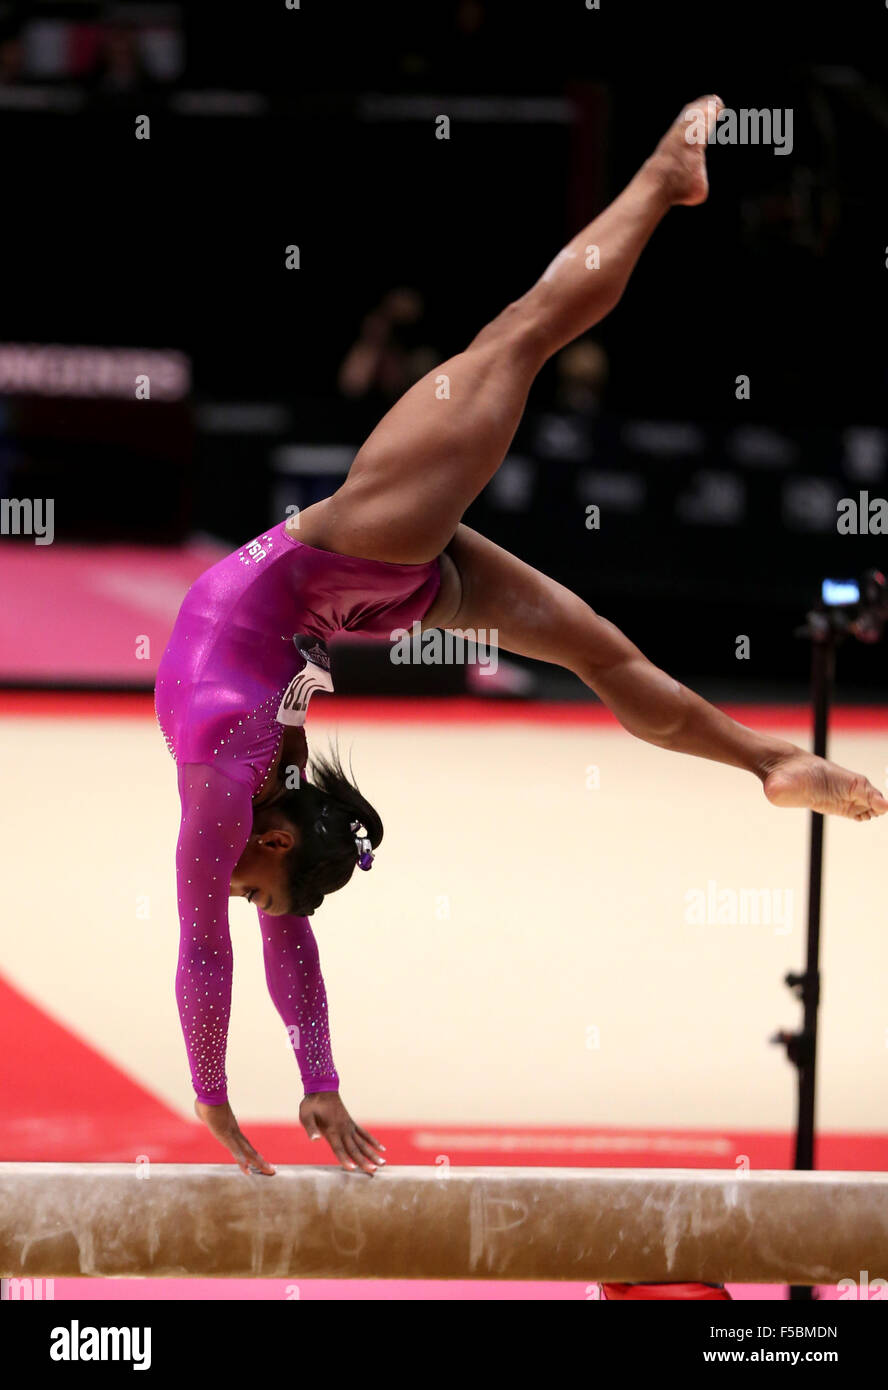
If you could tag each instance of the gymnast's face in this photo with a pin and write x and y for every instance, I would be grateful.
(260, 874)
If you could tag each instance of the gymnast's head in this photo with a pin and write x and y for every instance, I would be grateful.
(307, 842)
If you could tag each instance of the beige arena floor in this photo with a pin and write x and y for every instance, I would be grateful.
(521, 951)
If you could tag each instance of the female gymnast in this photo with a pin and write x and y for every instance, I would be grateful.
(384, 550)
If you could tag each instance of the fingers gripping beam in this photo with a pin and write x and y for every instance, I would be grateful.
(628, 1225)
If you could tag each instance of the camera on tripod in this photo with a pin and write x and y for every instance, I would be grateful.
(863, 605)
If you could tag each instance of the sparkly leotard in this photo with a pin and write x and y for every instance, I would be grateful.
(220, 693)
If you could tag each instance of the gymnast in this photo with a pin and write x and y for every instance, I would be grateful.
(260, 820)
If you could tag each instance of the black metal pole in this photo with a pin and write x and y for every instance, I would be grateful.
(863, 616)
(823, 672)
(823, 661)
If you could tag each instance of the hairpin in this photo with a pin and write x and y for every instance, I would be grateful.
(362, 846)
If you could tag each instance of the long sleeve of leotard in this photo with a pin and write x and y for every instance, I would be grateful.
(296, 985)
(217, 819)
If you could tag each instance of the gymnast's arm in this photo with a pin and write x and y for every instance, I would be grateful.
(296, 986)
(217, 819)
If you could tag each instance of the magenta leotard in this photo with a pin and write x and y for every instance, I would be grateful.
(219, 687)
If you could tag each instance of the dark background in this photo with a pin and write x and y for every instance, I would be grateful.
(718, 516)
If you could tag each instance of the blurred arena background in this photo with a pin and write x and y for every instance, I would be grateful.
(289, 250)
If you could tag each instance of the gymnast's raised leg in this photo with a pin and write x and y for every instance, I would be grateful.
(441, 443)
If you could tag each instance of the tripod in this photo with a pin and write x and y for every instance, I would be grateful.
(859, 611)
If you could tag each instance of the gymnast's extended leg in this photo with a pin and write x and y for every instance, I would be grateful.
(441, 443)
(532, 615)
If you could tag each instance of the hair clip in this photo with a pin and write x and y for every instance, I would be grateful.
(362, 846)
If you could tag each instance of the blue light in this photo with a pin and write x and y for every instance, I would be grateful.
(840, 591)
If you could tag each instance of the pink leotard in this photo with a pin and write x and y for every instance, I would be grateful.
(220, 683)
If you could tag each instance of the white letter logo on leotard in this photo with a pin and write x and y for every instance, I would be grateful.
(256, 551)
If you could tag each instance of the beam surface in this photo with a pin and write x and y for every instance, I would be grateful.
(169, 1220)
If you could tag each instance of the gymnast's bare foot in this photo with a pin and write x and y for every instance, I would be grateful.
(680, 157)
(801, 779)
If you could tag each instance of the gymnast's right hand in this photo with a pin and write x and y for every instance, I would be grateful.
(220, 1121)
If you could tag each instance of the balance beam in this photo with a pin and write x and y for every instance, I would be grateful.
(630, 1225)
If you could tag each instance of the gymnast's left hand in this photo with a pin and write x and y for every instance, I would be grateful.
(324, 1116)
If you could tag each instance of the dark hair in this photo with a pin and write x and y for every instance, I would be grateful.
(324, 810)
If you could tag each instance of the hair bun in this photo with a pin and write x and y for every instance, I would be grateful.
(339, 831)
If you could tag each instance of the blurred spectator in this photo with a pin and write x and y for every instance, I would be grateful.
(459, 47)
(12, 48)
(11, 60)
(583, 371)
(386, 359)
(470, 17)
(569, 430)
(119, 65)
